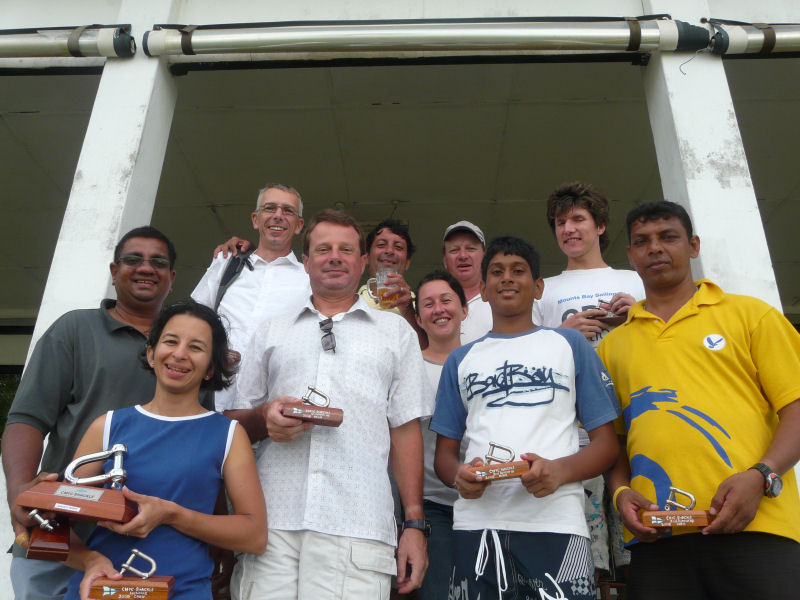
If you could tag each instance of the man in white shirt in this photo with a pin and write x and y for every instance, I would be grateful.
(271, 281)
(331, 525)
(463, 247)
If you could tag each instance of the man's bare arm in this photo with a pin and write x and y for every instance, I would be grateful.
(22, 451)
(406, 457)
(738, 497)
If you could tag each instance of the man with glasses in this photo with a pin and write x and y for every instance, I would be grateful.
(331, 525)
(271, 280)
(85, 364)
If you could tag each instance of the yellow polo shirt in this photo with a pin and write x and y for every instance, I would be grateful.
(699, 395)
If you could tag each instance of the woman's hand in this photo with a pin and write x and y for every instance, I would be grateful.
(152, 513)
(97, 566)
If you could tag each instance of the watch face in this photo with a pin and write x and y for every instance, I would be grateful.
(775, 486)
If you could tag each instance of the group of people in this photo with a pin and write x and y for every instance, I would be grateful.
(615, 387)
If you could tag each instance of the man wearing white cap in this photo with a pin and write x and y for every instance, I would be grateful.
(463, 247)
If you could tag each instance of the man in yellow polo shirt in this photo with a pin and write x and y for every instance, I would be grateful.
(709, 385)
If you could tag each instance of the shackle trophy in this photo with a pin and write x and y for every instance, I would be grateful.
(144, 586)
(502, 466)
(676, 514)
(77, 500)
(313, 410)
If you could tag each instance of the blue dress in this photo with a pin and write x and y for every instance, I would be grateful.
(178, 459)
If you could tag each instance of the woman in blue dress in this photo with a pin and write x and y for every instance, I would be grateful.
(178, 458)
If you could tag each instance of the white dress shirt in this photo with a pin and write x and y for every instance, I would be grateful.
(269, 289)
(334, 479)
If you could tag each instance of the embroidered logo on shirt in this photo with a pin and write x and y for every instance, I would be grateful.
(714, 341)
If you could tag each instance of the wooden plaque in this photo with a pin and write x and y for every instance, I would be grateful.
(158, 587)
(319, 415)
(675, 518)
(79, 502)
(505, 470)
(49, 545)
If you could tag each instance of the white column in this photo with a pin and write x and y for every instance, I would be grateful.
(702, 161)
(118, 171)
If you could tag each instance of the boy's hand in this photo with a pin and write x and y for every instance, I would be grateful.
(468, 484)
(544, 477)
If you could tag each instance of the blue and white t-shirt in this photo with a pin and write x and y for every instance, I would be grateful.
(528, 392)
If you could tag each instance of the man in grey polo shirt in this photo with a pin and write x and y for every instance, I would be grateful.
(85, 364)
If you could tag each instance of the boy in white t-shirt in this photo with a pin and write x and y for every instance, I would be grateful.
(582, 296)
(524, 387)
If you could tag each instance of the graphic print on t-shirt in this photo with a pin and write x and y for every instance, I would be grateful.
(537, 383)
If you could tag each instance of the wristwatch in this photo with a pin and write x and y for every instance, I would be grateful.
(422, 524)
(773, 484)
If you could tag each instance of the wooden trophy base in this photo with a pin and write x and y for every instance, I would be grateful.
(502, 470)
(49, 545)
(158, 587)
(79, 502)
(319, 415)
(675, 518)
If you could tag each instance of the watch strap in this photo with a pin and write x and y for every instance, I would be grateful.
(422, 524)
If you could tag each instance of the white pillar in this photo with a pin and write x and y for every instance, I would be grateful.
(118, 171)
(702, 161)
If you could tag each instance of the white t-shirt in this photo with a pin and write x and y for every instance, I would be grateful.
(432, 486)
(527, 392)
(478, 321)
(581, 289)
(268, 290)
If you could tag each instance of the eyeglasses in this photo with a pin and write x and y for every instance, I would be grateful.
(328, 341)
(271, 208)
(134, 260)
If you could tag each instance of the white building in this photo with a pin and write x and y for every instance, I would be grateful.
(431, 111)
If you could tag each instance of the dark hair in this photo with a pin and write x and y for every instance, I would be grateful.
(147, 232)
(337, 217)
(223, 371)
(583, 195)
(511, 245)
(663, 209)
(441, 275)
(397, 228)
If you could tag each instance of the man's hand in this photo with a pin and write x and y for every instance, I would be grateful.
(411, 551)
(544, 477)
(629, 503)
(403, 302)
(736, 502)
(280, 428)
(468, 484)
(619, 303)
(233, 246)
(586, 322)
(19, 515)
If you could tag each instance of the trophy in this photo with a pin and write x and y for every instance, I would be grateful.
(314, 410)
(144, 586)
(500, 466)
(676, 514)
(75, 500)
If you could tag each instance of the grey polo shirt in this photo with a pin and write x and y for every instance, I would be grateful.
(84, 365)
